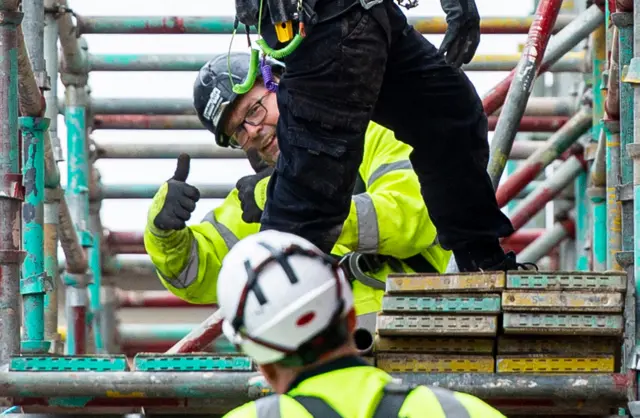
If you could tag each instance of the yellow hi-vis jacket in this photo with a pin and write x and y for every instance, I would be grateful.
(390, 219)
(353, 389)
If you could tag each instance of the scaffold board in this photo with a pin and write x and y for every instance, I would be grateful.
(469, 303)
(562, 301)
(149, 362)
(566, 345)
(563, 324)
(55, 363)
(434, 345)
(554, 364)
(574, 280)
(436, 325)
(426, 363)
(445, 283)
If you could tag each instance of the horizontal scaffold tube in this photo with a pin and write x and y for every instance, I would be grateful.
(191, 122)
(521, 150)
(171, 151)
(223, 25)
(231, 388)
(147, 191)
(154, 299)
(572, 62)
(537, 106)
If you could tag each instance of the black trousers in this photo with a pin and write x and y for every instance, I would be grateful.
(372, 65)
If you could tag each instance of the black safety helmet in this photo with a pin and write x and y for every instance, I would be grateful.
(213, 95)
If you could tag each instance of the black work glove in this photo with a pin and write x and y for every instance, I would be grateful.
(178, 199)
(463, 31)
(252, 192)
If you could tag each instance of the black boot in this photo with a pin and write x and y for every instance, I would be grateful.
(488, 256)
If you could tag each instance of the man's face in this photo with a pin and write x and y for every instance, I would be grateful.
(252, 123)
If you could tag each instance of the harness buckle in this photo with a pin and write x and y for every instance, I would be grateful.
(368, 4)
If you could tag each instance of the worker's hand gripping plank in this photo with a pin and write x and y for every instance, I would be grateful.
(175, 201)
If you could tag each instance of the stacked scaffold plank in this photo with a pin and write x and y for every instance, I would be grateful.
(439, 323)
(561, 322)
(520, 322)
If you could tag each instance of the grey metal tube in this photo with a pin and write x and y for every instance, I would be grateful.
(74, 58)
(546, 242)
(171, 151)
(548, 106)
(229, 388)
(520, 89)
(572, 62)
(75, 256)
(10, 179)
(51, 61)
(536, 106)
(147, 191)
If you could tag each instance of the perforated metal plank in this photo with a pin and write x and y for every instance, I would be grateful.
(445, 283)
(187, 363)
(564, 324)
(562, 301)
(53, 363)
(427, 363)
(436, 325)
(570, 280)
(546, 364)
(442, 303)
(568, 346)
(434, 345)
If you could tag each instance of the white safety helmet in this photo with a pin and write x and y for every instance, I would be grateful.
(282, 299)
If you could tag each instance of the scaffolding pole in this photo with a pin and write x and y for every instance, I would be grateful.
(550, 188)
(223, 25)
(134, 109)
(570, 36)
(572, 62)
(547, 242)
(557, 144)
(520, 88)
(11, 195)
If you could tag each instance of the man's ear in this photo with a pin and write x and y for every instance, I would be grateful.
(257, 163)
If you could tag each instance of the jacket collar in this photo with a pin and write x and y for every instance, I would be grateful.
(336, 364)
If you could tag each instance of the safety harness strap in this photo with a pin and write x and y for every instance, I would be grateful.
(317, 407)
(392, 399)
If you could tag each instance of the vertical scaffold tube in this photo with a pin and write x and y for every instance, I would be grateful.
(11, 194)
(95, 266)
(525, 75)
(624, 22)
(597, 193)
(582, 221)
(614, 213)
(34, 283)
(78, 199)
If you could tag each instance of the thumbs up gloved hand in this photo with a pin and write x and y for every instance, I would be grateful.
(174, 202)
(252, 192)
(462, 37)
